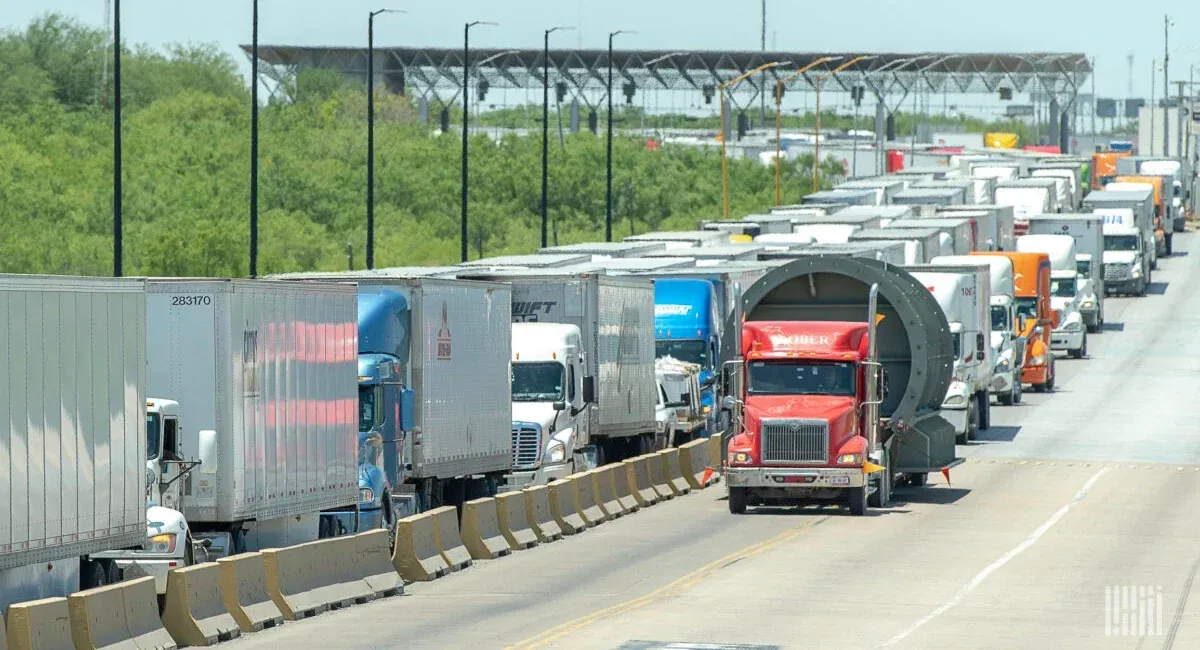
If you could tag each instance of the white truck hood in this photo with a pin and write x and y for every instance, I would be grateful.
(540, 413)
(1119, 257)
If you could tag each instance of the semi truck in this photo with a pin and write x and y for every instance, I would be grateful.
(687, 327)
(1036, 318)
(552, 398)
(1027, 197)
(963, 293)
(922, 244)
(842, 365)
(995, 224)
(958, 234)
(1006, 341)
(1070, 334)
(1169, 168)
(614, 315)
(1129, 253)
(679, 416)
(920, 195)
(1088, 233)
(1069, 171)
(73, 487)
(1163, 212)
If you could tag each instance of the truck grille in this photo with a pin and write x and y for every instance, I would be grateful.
(1116, 271)
(795, 441)
(526, 446)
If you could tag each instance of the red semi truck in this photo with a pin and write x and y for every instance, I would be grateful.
(841, 368)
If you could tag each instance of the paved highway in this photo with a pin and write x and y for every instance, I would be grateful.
(1067, 497)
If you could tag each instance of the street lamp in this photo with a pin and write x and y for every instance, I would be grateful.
(817, 123)
(721, 88)
(608, 173)
(546, 129)
(254, 144)
(371, 131)
(118, 244)
(1167, 24)
(466, 125)
(779, 120)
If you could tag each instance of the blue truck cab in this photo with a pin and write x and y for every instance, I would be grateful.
(687, 327)
(385, 414)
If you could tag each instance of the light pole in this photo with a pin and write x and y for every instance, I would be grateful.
(1166, 86)
(546, 129)
(721, 87)
(254, 144)
(817, 122)
(608, 146)
(779, 121)
(466, 126)
(371, 131)
(118, 244)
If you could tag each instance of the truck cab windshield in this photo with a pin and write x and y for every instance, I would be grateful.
(1120, 243)
(1064, 288)
(366, 408)
(1083, 268)
(801, 378)
(1000, 319)
(1027, 307)
(152, 434)
(689, 350)
(537, 381)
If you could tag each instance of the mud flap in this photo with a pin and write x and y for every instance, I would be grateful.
(925, 446)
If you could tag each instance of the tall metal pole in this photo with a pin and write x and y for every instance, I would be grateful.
(465, 126)
(371, 140)
(1153, 69)
(778, 142)
(762, 86)
(1166, 86)
(546, 132)
(1093, 101)
(608, 157)
(254, 146)
(118, 244)
(817, 136)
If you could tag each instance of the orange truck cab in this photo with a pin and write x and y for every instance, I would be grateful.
(1104, 167)
(1036, 319)
(1162, 233)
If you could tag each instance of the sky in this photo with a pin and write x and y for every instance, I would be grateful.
(876, 25)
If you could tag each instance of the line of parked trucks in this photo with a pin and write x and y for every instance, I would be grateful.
(841, 347)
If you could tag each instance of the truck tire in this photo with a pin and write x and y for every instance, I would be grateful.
(858, 501)
(918, 480)
(1050, 379)
(92, 574)
(985, 410)
(1006, 399)
(1018, 388)
(883, 493)
(1168, 237)
(972, 422)
(737, 501)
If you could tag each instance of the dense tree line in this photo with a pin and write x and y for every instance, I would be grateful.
(186, 170)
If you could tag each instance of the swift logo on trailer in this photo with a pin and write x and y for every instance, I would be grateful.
(528, 311)
(443, 337)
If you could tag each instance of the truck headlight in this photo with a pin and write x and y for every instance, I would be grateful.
(850, 459)
(955, 400)
(706, 410)
(555, 453)
(1039, 360)
(1088, 304)
(366, 495)
(1003, 366)
(1136, 271)
(739, 457)
(164, 543)
(660, 426)
(1072, 328)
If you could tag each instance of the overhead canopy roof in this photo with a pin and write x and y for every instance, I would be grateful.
(439, 71)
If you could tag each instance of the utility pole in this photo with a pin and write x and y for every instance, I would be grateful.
(118, 245)
(762, 86)
(1166, 86)
(254, 145)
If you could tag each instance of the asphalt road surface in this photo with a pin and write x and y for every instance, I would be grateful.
(1071, 525)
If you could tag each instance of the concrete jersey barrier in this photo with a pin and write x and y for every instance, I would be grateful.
(716, 455)
(244, 592)
(373, 559)
(658, 481)
(562, 506)
(481, 530)
(416, 556)
(584, 498)
(311, 578)
(539, 514)
(693, 460)
(623, 481)
(194, 612)
(449, 543)
(605, 490)
(123, 615)
(39, 625)
(672, 472)
(514, 524)
(639, 481)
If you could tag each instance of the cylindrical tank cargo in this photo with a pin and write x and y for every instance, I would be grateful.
(915, 345)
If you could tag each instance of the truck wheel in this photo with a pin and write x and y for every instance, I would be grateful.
(1006, 399)
(858, 501)
(1050, 380)
(985, 410)
(1168, 238)
(918, 480)
(737, 500)
(883, 492)
(1018, 388)
(92, 574)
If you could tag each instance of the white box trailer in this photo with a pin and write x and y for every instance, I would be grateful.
(884, 187)
(605, 250)
(873, 215)
(73, 448)
(615, 316)
(970, 188)
(958, 233)
(1088, 232)
(266, 376)
(995, 224)
(921, 244)
(769, 224)
(683, 238)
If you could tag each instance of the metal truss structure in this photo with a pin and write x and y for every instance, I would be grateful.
(437, 73)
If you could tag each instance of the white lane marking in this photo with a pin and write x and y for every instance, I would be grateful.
(994, 566)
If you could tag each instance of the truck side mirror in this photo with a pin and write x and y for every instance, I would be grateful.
(560, 406)
(589, 390)
(1021, 323)
(980, 343)
(208, 451)
(729, 402)
(1055, 318)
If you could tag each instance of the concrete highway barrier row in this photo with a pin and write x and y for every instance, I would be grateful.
(308, 579)
(606, 491)
(539, 514)
(583, 496)
(562, 506)
(693, 461)
(39, 625)
(623, 487)
(416, 556)
(514, 524)
(373, 559)
(639, 481)
(449, 542)
(716, 455)
(672, 471)
(244, 592)
(123, 615)
(195, 613)
(481, 530)
(658, 482)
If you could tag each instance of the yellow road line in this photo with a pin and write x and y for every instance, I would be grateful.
(680, 585)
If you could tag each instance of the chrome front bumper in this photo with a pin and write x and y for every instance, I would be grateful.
(1002, 383)
(795, 477)
(540, 476)
(1066, 340)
